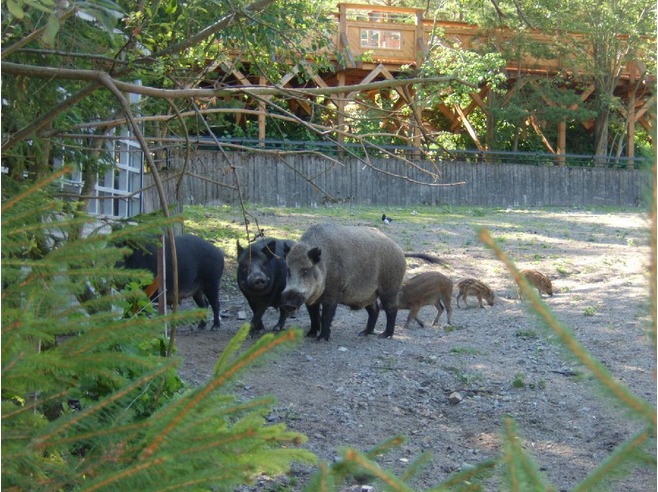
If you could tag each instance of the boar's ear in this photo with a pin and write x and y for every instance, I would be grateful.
(315, 254)
(286, 249)
(269, 250)
(240, 248)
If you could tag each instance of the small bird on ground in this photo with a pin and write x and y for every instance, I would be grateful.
(386, 220)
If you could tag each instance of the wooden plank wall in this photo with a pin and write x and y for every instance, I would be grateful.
(303, 180)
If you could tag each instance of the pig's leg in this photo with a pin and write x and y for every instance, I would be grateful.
(391, 313)
(373, 314)
(314, 314)
(212, 295)
(202, 302)
(409, 318)
(448, 307)
(439, 312)
(258, 309)
(283, 315)
(328, 313)
(413, 314)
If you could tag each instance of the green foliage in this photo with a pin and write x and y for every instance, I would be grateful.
(590, 311)
(159, 44)
(519, 381)
(89, 402)
(88, 399)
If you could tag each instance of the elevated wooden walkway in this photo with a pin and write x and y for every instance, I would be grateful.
(378, 43)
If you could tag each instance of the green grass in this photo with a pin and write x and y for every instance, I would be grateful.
(590, 311)
(463, 351)
(465, 377)
(527, 334)
(519, 381)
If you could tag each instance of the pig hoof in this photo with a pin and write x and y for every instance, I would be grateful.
(321, 337)
(365, 333)
(311, 333)
(385, 334)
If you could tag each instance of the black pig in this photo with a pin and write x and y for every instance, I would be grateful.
(200, 268)
(262, 278)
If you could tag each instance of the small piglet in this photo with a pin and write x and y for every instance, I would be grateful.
(474, 287)
(538, 280)
(425, 289)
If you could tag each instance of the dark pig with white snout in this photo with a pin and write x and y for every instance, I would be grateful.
(262, 277)
(350, 265)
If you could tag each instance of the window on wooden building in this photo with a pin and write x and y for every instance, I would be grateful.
(379, 38)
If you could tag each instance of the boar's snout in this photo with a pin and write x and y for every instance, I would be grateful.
(291, 300)
(257, 281)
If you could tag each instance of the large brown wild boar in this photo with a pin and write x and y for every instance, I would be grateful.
(538, 280)
(349, 265)
(474, 287)
(422, 290)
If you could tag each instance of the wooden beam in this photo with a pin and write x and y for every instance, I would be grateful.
(630, 145)
(448, 113)
(648, 104)
(561, 142)
(374, 73)
(469, 128)
(340, 112)
(479, 99)
(535, 126)
(261, 116)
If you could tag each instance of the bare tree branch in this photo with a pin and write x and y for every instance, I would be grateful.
(275, 90)
(44, 120)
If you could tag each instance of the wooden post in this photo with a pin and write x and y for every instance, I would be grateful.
(419, 47)
(561, 143)
(161, 278)
(340, 116)
(261, 116)
(631, 121)
(416, 122)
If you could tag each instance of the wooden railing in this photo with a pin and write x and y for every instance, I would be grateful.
(397, 36)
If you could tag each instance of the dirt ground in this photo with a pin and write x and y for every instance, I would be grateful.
(358, 391)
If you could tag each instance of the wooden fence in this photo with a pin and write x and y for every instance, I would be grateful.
(311, 180)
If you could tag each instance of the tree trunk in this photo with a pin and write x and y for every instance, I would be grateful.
(601, 137)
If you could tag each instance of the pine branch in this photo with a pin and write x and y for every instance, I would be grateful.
(265, 345)
(522, 471)
(391, 481)
(50, 438)
(621, 455)
(621, 392)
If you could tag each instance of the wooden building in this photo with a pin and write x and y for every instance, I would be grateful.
(379, 43)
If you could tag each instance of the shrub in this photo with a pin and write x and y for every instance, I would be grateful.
(88, 399)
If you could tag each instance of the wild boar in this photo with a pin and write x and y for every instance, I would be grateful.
(261, 278)
(474, 287)
(422, 290)
(349, 265)
(200, 269)
(538, 280)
